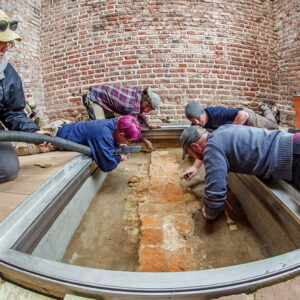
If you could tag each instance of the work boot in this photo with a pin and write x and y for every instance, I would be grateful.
(264, 106)
(87, 103)
(276, 114)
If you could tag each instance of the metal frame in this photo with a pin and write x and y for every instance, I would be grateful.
(55, 278)
(59, 279)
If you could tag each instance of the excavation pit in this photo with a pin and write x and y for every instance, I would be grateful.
(138, 232)
(144, 218)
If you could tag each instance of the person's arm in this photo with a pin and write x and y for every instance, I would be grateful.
(103, 152)
(16, 119)
(148, 144)
(241, 117)
(215, 188)
(192, 171)
(143, 119)
(151, 126)
(13, 115)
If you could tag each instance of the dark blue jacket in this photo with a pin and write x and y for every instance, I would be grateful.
(99, 136)
(12, 103)
(218, 116)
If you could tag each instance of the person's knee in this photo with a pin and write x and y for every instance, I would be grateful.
(8, 173)
(9, 162)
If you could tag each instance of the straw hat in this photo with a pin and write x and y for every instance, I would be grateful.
(7, 35)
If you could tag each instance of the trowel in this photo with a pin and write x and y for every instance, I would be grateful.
(127, 149)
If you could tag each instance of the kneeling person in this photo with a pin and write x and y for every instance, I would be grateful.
(241, 149)
(103, 136)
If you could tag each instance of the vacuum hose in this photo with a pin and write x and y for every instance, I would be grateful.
(36, 138)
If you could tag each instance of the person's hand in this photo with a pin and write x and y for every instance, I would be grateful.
(123, 157)
(151, 126)
(44, 132)
(189, 173)
(149, 145)
(45, 144)
(206, 217)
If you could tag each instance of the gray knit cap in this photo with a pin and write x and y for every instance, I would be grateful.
(193, 110)
(155, 99)
(189, 136)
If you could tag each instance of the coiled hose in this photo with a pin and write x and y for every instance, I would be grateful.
(36, 138)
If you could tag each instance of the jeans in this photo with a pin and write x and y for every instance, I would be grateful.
(296, 164)
(9, 162)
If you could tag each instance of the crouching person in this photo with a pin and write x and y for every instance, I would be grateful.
(103, 136)
(241, 149)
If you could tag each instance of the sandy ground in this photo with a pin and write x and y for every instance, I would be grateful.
(109, 234)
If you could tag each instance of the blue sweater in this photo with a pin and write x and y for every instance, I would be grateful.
(98, 135)
(243, 149)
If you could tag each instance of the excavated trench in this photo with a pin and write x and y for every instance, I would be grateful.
(138, 232)
(113, 235)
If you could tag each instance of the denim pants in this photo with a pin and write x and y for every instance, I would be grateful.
(296, 164)
(9, 162)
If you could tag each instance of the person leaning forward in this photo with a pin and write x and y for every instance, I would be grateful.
(213, 117)
(104, 100)
(248, 150)
(103, 137)
(12, 100)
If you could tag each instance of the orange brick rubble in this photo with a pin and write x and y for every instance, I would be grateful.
(164, 245)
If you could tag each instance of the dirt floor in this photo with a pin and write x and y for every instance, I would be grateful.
(114, 232)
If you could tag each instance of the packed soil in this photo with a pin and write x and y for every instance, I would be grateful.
(143, 206)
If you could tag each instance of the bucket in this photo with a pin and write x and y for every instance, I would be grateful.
(296, 100)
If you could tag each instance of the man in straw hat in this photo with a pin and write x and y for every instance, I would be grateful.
(241, 149)
(104, 100)
(12, 100)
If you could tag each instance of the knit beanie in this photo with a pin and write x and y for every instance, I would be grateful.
(155, 99)
(193, 110)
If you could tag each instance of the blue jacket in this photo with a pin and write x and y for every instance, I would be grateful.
(12, 103)
(247, 150)
(218, 116)
(98, 135)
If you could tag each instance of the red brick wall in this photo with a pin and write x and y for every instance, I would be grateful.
(25, 56)
(238, 53)
(210, 51)
(287, 26)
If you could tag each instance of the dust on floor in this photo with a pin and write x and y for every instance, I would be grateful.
(145, 218)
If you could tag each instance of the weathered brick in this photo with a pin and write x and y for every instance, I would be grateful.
(244, 44)
(153, 260)
(151, 237)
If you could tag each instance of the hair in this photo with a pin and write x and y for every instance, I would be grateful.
(130, 126)
(145, 96)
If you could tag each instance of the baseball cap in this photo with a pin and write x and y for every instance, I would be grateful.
(155, 99)
(189, 136)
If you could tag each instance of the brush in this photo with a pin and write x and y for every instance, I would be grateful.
(230, 223)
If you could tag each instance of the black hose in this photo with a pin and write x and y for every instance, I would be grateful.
(36, 138)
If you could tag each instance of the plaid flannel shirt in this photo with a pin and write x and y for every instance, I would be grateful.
(118, 99)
